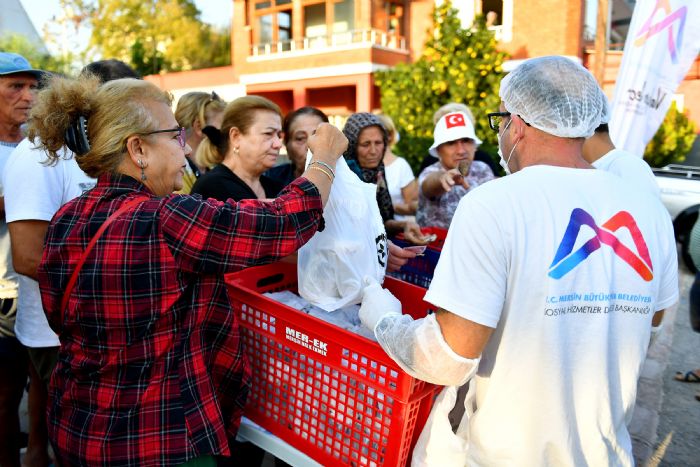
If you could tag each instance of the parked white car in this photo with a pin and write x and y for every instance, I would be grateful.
(680, 193)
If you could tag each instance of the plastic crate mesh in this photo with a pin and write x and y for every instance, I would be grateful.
(333, 395)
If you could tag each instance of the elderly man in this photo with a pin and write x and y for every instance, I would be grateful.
(18, 82)
(547, 288)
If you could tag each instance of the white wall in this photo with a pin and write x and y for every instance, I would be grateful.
(14, 20)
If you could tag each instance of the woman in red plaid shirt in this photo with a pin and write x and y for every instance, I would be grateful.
(151, 371)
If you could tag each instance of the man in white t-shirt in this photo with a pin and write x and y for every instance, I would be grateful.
(547, 288)
(34, 192)
(602, 154)
(18, 83)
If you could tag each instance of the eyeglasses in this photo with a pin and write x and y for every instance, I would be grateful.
(496, 118)
(180, 135)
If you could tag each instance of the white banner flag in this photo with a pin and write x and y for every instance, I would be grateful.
(662, 43)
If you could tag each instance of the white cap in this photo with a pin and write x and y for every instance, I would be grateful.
(451, 127)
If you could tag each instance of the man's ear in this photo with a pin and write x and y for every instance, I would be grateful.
(519, 126)
(135, 149)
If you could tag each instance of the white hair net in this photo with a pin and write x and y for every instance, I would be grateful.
(556, 95)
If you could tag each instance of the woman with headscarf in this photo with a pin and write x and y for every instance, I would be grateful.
(367, 140)
(151, 369)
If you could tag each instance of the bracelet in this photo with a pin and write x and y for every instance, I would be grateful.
(330, 178)
(325, 165)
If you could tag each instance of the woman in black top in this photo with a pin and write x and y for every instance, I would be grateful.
(247, 145)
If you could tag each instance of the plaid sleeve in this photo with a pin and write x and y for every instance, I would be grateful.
(208, 236)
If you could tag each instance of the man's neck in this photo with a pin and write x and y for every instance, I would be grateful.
(10, 133)
(597, 146)
(559, 152)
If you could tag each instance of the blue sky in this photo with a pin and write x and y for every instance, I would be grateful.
(41, 11)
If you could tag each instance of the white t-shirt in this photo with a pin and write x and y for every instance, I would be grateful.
(34, 191)
(630, 167)
(398, 176)
(8, 277)
(568, 266)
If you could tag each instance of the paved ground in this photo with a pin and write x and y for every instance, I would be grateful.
(665, 428)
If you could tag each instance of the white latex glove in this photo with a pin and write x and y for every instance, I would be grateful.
(377, 303)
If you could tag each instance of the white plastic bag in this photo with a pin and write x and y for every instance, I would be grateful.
(331, 266)
(437, 444)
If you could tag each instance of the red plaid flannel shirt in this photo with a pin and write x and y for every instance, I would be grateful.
(151, 371)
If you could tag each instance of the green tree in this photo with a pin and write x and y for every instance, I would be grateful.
(672, 140)
(155, 35)
(457, 65)
(19, 44)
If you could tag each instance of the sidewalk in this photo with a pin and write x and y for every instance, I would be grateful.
(665, 429)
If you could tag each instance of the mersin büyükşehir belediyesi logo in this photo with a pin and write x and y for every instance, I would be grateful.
(650, 29)
(566, 259)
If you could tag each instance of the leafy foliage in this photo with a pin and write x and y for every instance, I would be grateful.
(19, 44)
(672, 140)
(457, 65)
(155, 35)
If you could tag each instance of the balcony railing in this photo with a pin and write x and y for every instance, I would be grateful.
(353, 38)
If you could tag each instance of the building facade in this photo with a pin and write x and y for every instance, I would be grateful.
(324, 53)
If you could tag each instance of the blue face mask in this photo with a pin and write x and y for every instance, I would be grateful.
(503, 162)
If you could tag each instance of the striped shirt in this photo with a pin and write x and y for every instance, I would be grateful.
(151, 370)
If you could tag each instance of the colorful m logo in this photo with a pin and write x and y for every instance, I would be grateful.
(566, 259)
(648, 29)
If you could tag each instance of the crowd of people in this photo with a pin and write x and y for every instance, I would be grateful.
(113, 301)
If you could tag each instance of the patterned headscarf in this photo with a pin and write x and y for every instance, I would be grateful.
(352, 129)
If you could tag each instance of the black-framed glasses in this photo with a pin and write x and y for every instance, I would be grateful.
(496, 119)
(180, 135)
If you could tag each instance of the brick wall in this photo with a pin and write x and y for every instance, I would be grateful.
(546, 27)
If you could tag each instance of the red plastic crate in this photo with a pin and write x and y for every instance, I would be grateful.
(436, 245)
(334, 395)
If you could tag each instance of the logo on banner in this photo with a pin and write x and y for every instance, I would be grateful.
(566, 259)
(453, 120)
(649, 30)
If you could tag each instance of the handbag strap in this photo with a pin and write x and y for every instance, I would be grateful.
(74, 277)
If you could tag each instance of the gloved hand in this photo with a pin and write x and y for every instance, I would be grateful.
(377, 303)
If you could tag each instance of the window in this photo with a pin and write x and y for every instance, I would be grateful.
(619, 18)
(493, 12)
(315, 20)
(344, 16)
(273, 22)
(263, 29)
(323, 23)
(395, 14)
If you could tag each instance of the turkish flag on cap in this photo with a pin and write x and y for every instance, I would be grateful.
(453, 120)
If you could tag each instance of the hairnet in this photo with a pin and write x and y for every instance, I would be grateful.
(556, 95)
